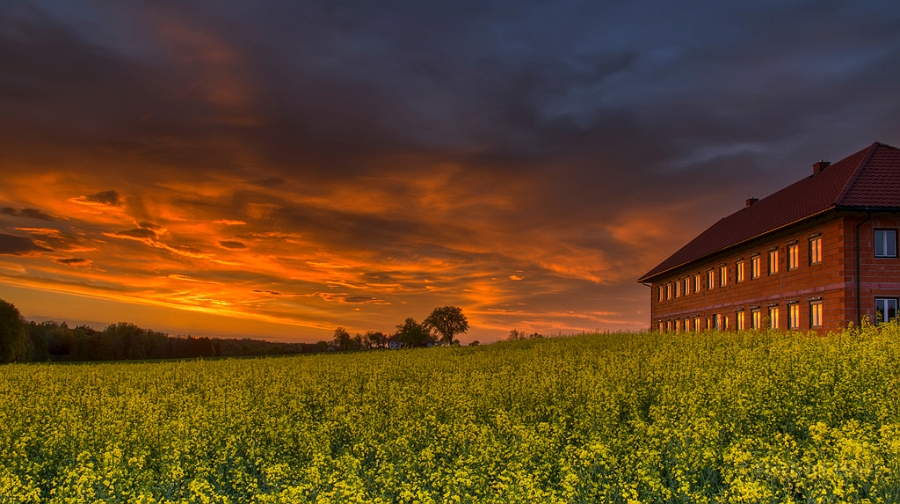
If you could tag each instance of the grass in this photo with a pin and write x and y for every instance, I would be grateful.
(709, 417)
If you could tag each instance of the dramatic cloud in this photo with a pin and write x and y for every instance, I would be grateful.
(525, 161)
(19, 245)
(105, 198)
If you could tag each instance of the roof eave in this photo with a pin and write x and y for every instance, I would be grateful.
(648, 277)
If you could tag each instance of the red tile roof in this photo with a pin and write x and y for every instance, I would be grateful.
(868, 178)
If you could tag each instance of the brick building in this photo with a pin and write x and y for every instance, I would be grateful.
(818, 254)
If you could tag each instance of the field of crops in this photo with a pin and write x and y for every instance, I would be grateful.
(713, 417)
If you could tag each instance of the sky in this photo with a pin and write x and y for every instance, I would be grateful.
(276, 169)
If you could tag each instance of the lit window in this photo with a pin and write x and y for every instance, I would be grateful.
(668, 325)
(723, 276)
(687, 285)
(793, 256)
(773, 261)
(660, 326)
(725, 323)
(687, 325)
(885, 243)
(739, 320)
(660, 289)
(815, 250)
(717, 321)
(773, 317)
(755, 319)
(815, 314)
(677, 289)
(739, 272)
(793, 316)
(696, 324)
(668, 291)
(697, 282)
(754, 267)
(710, 279)
(885, 309)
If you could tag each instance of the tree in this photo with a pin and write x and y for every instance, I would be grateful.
(448, 322)
(516, 335)
(413, 334)
(341, 339)
(375, 339)
(12, 334)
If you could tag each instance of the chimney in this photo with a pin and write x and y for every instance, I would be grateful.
(821, 165)
(751, 201)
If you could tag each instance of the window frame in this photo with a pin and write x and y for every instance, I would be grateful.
(739, 272)
(723, 275)
(755, 318)
(697, 282)
(774, 322)
(884, 242)
(793, 253)
(739, 320)
(815, 250)
(793, 321)
(816, 314)
(755, 267)
(711, 279)
(773, 261)
(886, 316)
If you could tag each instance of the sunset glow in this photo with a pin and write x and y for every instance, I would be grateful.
(284, 170)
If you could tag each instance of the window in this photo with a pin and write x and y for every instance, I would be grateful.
(696, 324)
(687, 285)
(723, 276)
(739, 272)
(754, 267)
(815, 314)
(717, 321)
(660, 289)
(815, 250)
(773, 317)
(755, 319)
(710, 279)
(793, 256)
(725, 322)
(676, 326)
(660, 326)
(739, 320)
(697, 282)
(668, 325)
(677, 289)
(793, 316)
(687, 324)
(885, 309)
(668, 291)
(773, 261)
(885, 243)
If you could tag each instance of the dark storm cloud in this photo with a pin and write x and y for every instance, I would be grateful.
(232, 244)
(109, 198)
(74, 261)
(19, 245)
(32, 213)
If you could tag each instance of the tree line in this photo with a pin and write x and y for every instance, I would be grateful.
(28, 341)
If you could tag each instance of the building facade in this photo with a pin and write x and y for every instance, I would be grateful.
(818, 254)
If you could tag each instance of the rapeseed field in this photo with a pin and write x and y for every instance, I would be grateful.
(753, 416)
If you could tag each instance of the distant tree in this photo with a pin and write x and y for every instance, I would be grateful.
(516, 335)
(474, 343)
(448, 322)
(358, 342)
(321, 346)
(341, 339)
(375, 339)
(413, 334)
(12, 334)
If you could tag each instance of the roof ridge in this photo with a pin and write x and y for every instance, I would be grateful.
(859, 168)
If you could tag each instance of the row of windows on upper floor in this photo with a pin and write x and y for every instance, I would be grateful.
(885, 246)
(722, 321)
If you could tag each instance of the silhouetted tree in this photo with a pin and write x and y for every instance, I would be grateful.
(448, 322)
(375, 339)
(341, 339)
(413, 334)
(12, 334)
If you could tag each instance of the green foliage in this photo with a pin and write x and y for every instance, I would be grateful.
(448, 322)
(413, 334)
(711, 417)
(12, 334)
